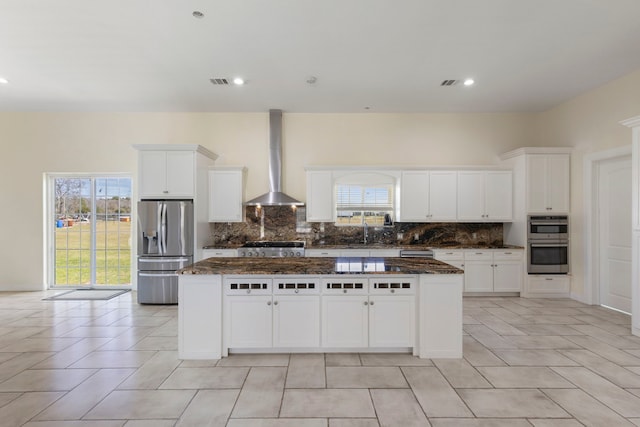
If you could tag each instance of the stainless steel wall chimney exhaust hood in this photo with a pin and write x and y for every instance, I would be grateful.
(275, 196)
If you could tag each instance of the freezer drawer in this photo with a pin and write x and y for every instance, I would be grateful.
(163, 263)
(157, 287)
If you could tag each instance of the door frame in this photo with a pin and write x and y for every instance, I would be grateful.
(48, 229)
(592, 164)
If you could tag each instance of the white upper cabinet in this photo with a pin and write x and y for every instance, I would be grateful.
(548, 183)
(170, 171)
(226, 187)
(166, 174)
(428, 196)
(320, 205)
(485, 196)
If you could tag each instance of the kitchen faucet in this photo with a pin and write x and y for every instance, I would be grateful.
(366, 232)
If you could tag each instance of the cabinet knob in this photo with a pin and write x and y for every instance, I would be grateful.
(344, 291)
(393, 291)
(371, 303)
(268, 302)
(275, 303)
(248, 291)
(166, 191)
(366, 303)
(297, 291)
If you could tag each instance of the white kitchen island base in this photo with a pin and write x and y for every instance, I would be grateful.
(419, 314)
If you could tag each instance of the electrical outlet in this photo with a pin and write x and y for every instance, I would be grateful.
(416, 236)
(474, 235)
(400, 236)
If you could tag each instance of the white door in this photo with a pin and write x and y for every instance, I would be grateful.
(614, 196)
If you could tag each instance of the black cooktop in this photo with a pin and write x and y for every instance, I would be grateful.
(264, 244)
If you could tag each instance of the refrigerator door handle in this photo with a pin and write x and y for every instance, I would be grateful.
(157, 274)
(163, 259)
(163, 228)
(183, 231)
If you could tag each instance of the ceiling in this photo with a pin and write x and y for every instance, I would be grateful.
(366, 55)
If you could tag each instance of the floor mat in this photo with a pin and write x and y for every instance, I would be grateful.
(87, 294)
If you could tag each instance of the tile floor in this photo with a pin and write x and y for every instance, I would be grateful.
(527, 362)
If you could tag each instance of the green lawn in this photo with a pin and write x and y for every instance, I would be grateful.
(113, 254)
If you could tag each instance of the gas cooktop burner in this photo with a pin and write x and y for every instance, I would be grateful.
(272, 249)
(264, 244)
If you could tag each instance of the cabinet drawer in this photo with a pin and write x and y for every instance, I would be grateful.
(216, 253)
(322, 253)
(478, 256)
(397, 285)
(507, 255)
(453, 255)
(549, 284)
(345, 286)
(296, 285)
(247, 286)
(384, 253)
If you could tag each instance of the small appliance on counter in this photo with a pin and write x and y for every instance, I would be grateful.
(165, 244)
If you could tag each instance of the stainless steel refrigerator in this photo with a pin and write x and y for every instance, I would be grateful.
(165, 244)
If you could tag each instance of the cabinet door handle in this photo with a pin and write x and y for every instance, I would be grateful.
(547, 278)
(166, 191)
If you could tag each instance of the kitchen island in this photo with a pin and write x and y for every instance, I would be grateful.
(344, 304)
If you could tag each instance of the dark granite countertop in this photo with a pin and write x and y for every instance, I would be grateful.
(319, 266)
(383, 246)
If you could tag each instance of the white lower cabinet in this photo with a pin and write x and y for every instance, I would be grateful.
(391, 321)
(288, 317)
(345, 321)
(493, 271)
(296, 321)
(219, 314)
(248, 321)
(380, 313)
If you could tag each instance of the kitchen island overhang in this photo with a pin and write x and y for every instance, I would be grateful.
(345, 304)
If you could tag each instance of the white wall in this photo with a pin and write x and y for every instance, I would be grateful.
(36, 143)
(589, 123)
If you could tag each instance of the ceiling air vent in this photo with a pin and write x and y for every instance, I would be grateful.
(219, 81)
(449, 82)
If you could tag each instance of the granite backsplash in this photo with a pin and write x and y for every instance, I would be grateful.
(287, 223)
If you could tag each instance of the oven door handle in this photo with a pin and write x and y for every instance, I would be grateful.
(548, 245)
(548, 223)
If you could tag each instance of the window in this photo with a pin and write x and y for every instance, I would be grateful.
(360, 203)
(90, 223)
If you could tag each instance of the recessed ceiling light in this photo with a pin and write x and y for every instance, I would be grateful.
(198, 14)
(3, 81)
(469, 82)
(238, 81)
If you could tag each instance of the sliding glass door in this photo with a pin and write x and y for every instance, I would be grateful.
(90, 223)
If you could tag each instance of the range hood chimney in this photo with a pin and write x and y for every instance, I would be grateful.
(275, 196)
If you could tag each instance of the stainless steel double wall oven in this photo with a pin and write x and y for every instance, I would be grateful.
(548, 241)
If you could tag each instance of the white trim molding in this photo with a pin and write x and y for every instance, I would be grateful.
(634, 123)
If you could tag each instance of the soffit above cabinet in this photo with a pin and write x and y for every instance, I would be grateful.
(535, 150)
